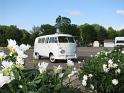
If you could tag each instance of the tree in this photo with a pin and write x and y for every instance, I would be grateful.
(3, 38)
(47, 29)
(35, 32)
(14, 33)
(26, 39)
(111, 33)
(73, 30)
(62, 23)
(101, 33)
(121, 32)
(88, 34)
(11, 32)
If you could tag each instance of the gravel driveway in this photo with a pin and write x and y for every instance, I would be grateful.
(82, 52)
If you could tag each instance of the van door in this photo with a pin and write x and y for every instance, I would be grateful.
(53, 47)
(46, 47)
(40, 46)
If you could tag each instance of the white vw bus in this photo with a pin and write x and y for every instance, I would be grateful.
(56, 47)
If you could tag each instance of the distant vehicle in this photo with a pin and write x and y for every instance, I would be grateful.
(119, 41)
(56, 47)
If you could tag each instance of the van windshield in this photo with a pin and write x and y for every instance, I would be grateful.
(120, 41)
(65, 39)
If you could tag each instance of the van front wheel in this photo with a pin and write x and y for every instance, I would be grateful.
(51, 58)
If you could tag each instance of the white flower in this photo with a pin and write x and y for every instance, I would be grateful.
(106, 53)
(118, 71)
(12, 43)
(79, 62)
(19, 49)
(19, 60)
(110, 63)
(85, 77)
(69, 75)
(98, 53)
(91, 55)
(4, 80)
(115, 65)
(42, 67)
(122, 52)
(72, 73)
(70, 63)
(90, 75)
(114, 81)
(84, 83)
(74, 68)
(119, 60)
(10, 54)
(2, 54)
(21, 53)
(104, 66)
(105, 69)
(24, 47)
(91, 86)
(6, 64)
(57, 69)
(61, 75)
(20, 86)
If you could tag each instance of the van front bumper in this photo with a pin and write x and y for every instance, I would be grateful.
(64, 57)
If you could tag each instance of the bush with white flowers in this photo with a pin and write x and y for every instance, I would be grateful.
(104, 72)
(16, 78)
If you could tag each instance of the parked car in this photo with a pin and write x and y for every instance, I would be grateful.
(56, 47)
(119, 41)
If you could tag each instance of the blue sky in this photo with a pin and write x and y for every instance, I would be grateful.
(27, 13)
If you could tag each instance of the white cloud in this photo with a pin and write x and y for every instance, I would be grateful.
(74, 13)
(120, 12)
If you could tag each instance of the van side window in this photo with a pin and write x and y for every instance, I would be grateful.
(53, 40)
(41, 40)
(47, 40)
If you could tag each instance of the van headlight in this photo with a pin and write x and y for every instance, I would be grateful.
(62, 51)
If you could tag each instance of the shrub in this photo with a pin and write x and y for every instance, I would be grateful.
(104, 72)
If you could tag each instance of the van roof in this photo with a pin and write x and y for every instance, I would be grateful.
(119, 38)
(54, 35)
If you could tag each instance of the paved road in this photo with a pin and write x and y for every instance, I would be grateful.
(82, 52)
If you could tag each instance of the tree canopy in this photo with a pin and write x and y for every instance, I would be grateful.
(87, 33)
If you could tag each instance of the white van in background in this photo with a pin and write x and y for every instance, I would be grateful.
(55, 46)
(119, 41)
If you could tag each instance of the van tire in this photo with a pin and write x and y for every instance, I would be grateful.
(51, 58)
